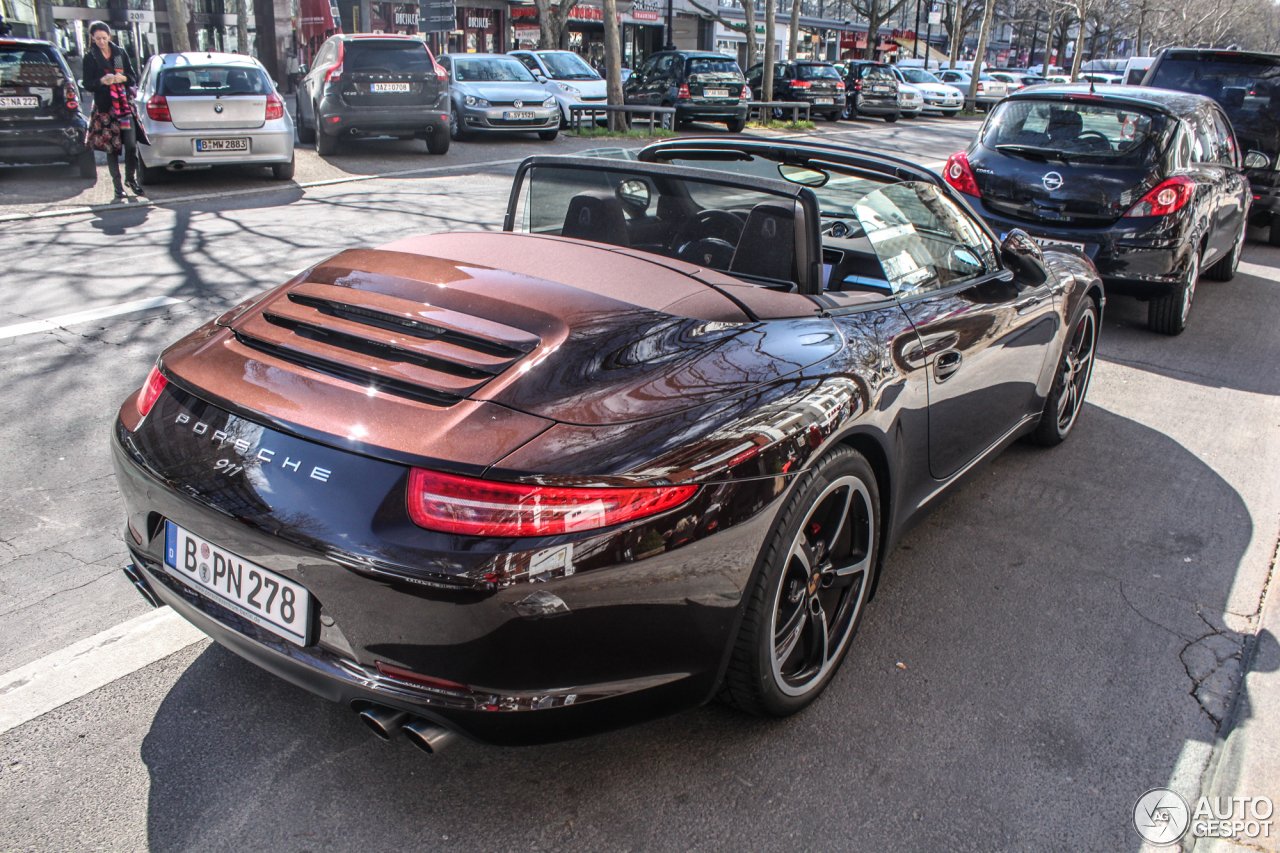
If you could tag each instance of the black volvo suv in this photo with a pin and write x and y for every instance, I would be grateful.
(40, 119)
(1145, 182)
(373, 85)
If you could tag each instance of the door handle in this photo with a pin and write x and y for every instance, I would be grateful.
(946, 364)
(1026, 304)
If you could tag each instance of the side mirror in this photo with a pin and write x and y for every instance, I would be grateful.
(1022, 255)
(302, 68)
(1256, 160)
(541, 78)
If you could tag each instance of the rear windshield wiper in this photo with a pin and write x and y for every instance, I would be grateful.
(1034, 151)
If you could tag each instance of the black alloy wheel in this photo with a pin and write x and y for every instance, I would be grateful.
(1071, 383)
(807, 599)
(1226, 267)
(1168, 314)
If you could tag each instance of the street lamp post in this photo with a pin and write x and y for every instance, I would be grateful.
(915, 34)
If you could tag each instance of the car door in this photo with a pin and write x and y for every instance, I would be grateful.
(665, 72)
(1212, 179)
(984, 341)
(1233, 196)
(314, 81)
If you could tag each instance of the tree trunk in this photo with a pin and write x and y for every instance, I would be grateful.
(766, 76)
(980, 54)
(178, 26)
(1048, 41)
(957, 34)
(794, 50)
(613, 64)
(242, 26)
(1075, 61)
(749, 13)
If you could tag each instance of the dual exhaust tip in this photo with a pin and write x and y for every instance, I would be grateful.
(386, 723)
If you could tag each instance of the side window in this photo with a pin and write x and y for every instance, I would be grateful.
(663, 65)
(1226, 140)
(646, 67)
(923, 241)
(326, 55)
(446, 64)
(529, 62)
(1204, 142)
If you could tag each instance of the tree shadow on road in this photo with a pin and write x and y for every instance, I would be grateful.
(1042, 616)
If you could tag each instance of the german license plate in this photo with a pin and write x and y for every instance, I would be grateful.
(390, 87)
(715, 93)
(1059, 244)
(203, 145)
(879, 88)
(18, 103)
(511, 115)
(822, 101)
(263, 597)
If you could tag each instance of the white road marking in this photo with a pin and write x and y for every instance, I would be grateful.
(1269, 273)
(83, 667)
(85, 316)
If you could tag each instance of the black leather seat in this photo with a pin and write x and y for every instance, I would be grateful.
(597, 217)
(767, 246)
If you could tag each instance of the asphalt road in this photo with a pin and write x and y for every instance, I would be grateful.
(1068, 622)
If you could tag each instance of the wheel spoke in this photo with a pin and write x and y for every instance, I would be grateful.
(818, 628)
(785, 644)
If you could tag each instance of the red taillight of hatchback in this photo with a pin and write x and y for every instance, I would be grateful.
(471, 507)
(684, 92)
(151, 390)
(158, 109)
(959, 175)
(275, 107)
(801, 84)
(1169, 196)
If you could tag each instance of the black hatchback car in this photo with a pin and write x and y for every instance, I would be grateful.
(701, 86)
(40, 118)
(1145, 182)
(871, 90)
(1247, 87)
(814, 83)
(373, 85)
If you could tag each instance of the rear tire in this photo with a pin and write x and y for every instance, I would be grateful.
(548, 135)
(808, 597)
(736, 125)
(890, 119)
(306, 134)
(149, 176)
(950, 113)
(438, 142)
(1071, 383)
(848, 113)
(1225, 268)
(87, 165)
(1168, 315)
(325, 144)
(283, 171)
(1274, 237)
(835, 116)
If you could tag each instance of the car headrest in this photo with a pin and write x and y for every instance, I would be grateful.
(596, 216)
(766, 248)
(1064, 124)
(177, 84)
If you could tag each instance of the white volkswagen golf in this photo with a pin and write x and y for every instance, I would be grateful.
(211, 109)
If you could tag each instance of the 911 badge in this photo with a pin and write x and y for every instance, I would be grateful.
(263, 457)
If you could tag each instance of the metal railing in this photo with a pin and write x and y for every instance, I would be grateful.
(577, 111)
(758, 109)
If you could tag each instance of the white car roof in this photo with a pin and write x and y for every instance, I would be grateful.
(171, 60)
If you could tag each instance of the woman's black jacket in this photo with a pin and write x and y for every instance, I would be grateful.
(95, 67)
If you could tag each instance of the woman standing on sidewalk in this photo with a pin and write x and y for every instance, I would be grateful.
(109, 74)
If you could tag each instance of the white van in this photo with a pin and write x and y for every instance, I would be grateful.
(1136, 68)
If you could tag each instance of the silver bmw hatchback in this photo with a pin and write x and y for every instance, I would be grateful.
(211, 109)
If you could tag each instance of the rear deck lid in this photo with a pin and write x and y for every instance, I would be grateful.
(388, 73)
(215, 97)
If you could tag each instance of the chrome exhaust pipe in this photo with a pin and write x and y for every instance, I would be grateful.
(384, 722)
(428, 737)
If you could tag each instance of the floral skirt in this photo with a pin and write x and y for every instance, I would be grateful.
(104, 133)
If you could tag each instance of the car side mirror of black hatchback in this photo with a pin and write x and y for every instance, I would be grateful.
(1022, 255)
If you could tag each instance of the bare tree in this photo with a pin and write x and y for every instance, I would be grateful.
(984, 33)
(552, 20)
(747, 27)
(612, 64)
(876, 13)
(766, 75)
(242, 26)
(957, 18)
(793, 49)
(178, 26)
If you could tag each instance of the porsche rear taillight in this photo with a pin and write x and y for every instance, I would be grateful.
(960, 175)
(468, 506)
(275, 107)
(1171, 195)
(151, 391)
(158, 109)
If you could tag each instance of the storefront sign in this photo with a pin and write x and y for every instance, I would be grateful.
(406, 19)
(477, 23)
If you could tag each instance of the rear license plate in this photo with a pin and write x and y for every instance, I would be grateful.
(263, 597)
(18, 103)
(715, 93)
(390, 87)
(511, 115)
(880, 88)
(821, 101)
(1060, 244)
(222, 145)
